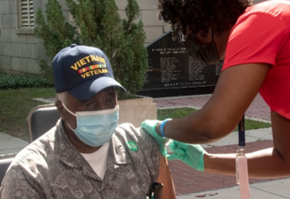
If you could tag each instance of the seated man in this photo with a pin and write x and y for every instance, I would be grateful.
(86, 154)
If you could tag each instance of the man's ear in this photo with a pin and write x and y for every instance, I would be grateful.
(60, 109)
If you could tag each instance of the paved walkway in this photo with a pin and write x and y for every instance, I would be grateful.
(190, 183)
(10, 145)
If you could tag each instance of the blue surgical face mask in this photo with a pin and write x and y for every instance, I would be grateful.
(95, 128)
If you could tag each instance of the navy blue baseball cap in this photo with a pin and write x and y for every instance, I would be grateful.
(83, 71)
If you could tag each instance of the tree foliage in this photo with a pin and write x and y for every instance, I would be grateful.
(98, 23)
(55, 33)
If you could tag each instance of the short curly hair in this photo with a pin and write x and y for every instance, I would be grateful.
(200, 15)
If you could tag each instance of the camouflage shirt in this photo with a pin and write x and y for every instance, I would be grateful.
(50, 167)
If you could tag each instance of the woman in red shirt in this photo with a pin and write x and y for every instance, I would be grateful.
(254, 42)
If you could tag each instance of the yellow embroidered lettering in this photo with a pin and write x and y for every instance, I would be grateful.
(83, 75)
(75, 67)
(88, 74)
(87, 58)
(83, 62)
(93, 58)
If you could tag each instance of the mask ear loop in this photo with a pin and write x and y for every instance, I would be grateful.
(69, 126)
(68, 110)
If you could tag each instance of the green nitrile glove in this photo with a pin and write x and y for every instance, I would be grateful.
(190, 154)
(149, 127)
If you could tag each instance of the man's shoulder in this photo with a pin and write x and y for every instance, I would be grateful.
(128, 129)
(127, 132)
(136, 142)
(37, 150)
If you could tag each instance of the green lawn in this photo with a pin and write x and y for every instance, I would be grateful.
(15, 105)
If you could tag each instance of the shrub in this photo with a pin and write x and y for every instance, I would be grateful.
(20, 81)
(97, 23)
(55, 33)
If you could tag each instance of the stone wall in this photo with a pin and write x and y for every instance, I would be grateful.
(20, 51)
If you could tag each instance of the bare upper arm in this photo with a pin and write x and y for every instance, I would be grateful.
(164, 177)
(281, 136)
(234, 92)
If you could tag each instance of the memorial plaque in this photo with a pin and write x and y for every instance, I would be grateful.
(170, 67)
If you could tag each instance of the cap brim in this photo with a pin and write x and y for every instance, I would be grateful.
(87, 90)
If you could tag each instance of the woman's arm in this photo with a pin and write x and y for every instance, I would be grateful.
(236, 88)
(267, 163)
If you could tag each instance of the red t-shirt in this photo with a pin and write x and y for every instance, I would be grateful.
(262, 35)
